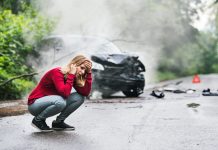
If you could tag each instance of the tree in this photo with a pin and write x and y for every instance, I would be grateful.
(15, 6)
(19, 33)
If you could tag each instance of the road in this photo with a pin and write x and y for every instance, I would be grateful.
(119, 123)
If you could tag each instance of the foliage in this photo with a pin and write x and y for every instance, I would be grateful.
(15, 6)
(198, 54)
(14, 50)
(199, 57)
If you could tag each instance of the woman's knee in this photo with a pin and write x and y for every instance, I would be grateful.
(77, 97)
(32, 111)
(60, 104)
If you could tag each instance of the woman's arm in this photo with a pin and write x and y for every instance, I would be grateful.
(86, 89)
(62, 88)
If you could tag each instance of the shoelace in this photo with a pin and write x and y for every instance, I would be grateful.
(44, 124)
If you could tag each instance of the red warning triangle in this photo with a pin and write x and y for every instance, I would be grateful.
(196, 79)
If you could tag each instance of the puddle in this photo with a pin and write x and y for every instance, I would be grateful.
(193, 105)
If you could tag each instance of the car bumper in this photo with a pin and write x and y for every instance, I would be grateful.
(119, 83)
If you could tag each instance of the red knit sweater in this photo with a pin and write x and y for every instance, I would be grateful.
(52, 83)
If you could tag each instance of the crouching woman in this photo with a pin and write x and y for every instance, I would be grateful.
(53, 94)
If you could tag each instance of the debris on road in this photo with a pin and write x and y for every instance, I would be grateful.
(157, 94)
(177, 90)
(208, 92)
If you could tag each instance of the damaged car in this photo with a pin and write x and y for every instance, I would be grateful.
(113, 70)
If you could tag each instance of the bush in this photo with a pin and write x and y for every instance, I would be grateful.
(14, 50)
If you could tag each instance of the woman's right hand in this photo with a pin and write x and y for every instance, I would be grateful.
(73, 69)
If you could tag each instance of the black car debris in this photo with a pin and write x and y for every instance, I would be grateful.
(113, 70)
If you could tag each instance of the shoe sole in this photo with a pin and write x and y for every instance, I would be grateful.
(61, 129)
(40, 129)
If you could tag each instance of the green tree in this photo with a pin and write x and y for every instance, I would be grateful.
(15, 6)
(195, 52)
(18, 34)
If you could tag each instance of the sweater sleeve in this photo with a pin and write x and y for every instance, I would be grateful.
(62, 88)
(85, 90)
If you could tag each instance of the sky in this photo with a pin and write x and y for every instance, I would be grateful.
(206, 17)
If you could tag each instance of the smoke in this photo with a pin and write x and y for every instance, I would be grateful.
(79, 16)
(140, 26)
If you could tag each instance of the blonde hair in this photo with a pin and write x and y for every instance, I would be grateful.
(78, 60)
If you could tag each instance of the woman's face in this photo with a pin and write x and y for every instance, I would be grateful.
(81, 69)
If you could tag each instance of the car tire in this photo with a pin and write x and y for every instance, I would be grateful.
(133, 92)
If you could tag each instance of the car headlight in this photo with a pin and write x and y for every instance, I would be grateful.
(97, 66)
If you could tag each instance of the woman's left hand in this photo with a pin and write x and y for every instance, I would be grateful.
(88, 64)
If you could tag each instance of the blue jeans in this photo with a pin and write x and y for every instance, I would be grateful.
(51, 105)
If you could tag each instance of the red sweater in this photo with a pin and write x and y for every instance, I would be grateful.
(52, 83)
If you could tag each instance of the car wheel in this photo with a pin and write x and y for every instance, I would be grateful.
(133, 92)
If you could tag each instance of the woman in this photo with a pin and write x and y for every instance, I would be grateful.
(53, 94)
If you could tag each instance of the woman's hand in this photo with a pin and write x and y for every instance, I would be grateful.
(88, 64)
(73, 69)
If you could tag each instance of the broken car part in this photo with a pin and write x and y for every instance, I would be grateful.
(178, 91)
(157, 94)
(207, 92)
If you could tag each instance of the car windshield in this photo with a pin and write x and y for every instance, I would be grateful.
(91, 45)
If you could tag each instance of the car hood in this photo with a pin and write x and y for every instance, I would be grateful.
(129, 63)
(113, 59)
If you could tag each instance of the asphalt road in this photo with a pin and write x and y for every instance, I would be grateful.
(177, 122)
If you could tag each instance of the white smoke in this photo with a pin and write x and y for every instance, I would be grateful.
(79, 16)
(134, 26)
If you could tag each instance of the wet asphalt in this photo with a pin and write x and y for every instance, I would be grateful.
(176, 122)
